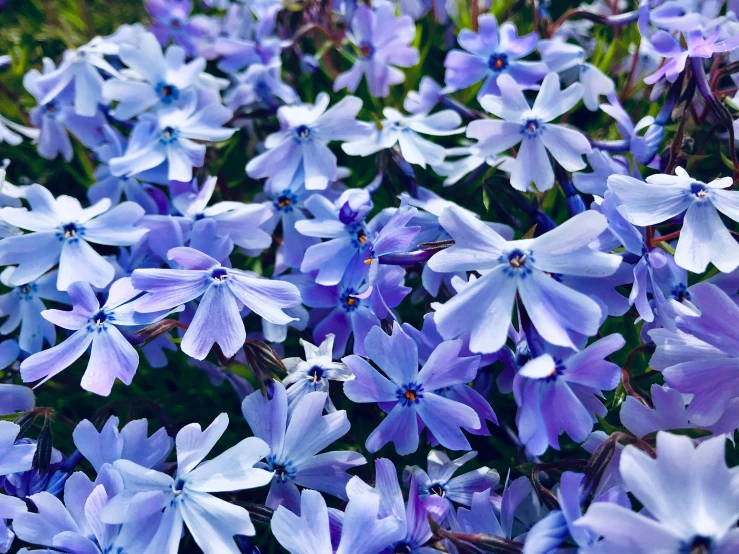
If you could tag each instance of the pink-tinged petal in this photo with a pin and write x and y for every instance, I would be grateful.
(217, 320)
(46, 364)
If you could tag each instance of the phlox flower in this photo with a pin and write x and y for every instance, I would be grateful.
(224, 291)
(170, 135)
(11, 132)
(132, 443)
(173, 21)
(698, 46)
(532, 128)
(293, 457)
(382, 42)
(704, 238)
(186, 497)
(155, 78)
(302, 141)
(112, 356)
(409, 394)
(603, 166)
(439, 481)
(686, 493)
(259, 84)
(569, 60)
(76, 525)
(406, 131)
(413, 514)
(60, 231)
(15, 457)
(528, 268)
(556, 392)
(314, 373)
(490, 53)
(23, 306)
(361, 531)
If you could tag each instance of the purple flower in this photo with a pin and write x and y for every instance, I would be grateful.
(440, 481)
(409, 394)
(159, 80)
(259, 84)
(480, 517)
(531, 126)
(112, 356)
(314, 373)
(528, 268)
(603, 166)
(172, 21)
(687, 492)
(295, 440)
(558, 393)
(76, 525)
(14, 398)
(381, 42)
(406, 131)
(23, 306)
(704, 237)
(186, 496)
(60, 231)
(413, 514)
(701, 357)
(130, 443)
(311, 533)
(351, 308)
(224, 291)
(11, 132)
(698, 47)
(491, 53)
(301, 142)
(170, 135)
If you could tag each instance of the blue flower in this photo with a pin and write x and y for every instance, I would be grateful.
(411, 395)
(295, 440)
(112, 356)
(61, 229)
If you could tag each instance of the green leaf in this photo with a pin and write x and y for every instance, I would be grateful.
(485, 198)
(607, 427)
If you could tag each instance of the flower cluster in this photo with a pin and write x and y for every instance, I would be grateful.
(530, 266)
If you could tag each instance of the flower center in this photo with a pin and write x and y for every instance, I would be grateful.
(168, 135)
(360, 237)
(698, 189)
(167, 93)
(498, 62)
(559, 369)
(402, 548)
(302, 131)
(531, 127)
(178, 486)
(366, 50)
(176, 24)
(285, 201)
(283, 470)
(437, 489)
(25, 289)
(51, 108)
(69, 230)
(315, 374)
(349, 301)
(700, 545)
(219, 274)
(517, 259)
(410, 393)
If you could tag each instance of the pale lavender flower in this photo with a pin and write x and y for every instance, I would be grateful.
(130, 443)
(170, 135)
(381, 42)
(704, 238)
(491, 53)
(187, 496)
(293, 457)
(11, 132)
(314, 373)
(528, 268)
(533, 128)
(406, 131)
(155, 79)
(224, 292)
(173, 21)
(61, 229)
(112, 356)
(302, 141)
(311, 532)
(687, 492)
